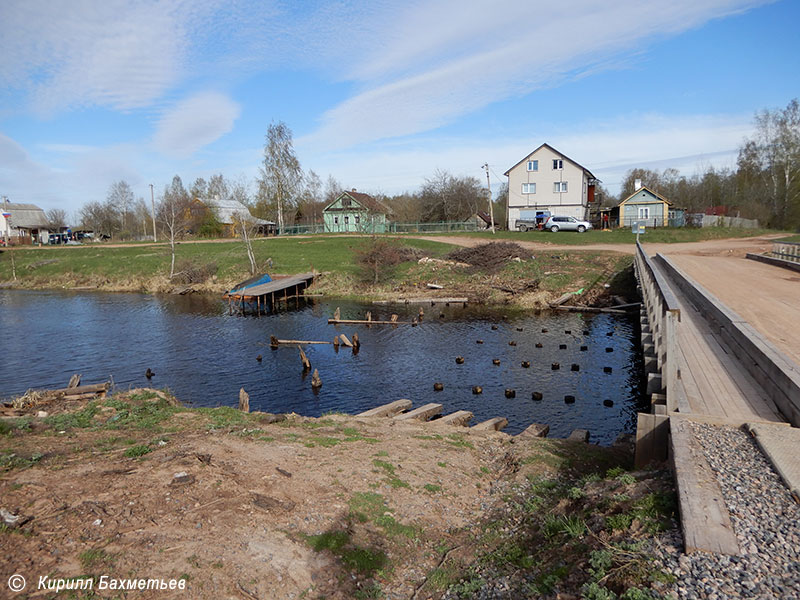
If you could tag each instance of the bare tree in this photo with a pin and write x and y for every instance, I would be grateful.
(120, 200)
(173, 213)
(56, 218)
(281, 173)
(247, 226)
(448, 198)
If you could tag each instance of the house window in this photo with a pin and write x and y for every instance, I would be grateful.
(346, 220)
(559, 186)
(533, 165)
(558, 164)
(358, 219)
(345, 201)
(644, 212)
(528, 188)
(335, 220)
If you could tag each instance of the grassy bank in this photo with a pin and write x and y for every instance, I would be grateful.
(146, 267)
(531, 280)
(336, 507)
(663, 235)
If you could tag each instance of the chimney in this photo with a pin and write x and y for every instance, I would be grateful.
(354, 190)
(637, 184)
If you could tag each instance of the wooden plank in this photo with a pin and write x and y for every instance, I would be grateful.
(726, 421)
(459, 418)
(495, 424)
(81, 389)
(387, 410)
(705, 519)
(345, 341)
(423, 300)
(365, 322)
(423, 413)
(651, 439)
(534, 430)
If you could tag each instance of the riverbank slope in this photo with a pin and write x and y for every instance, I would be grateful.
(255, 505)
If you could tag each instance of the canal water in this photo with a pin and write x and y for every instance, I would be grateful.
(204, 356)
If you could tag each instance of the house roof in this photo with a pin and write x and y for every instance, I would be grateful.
(226, 209)
(561, 154)
(644, 187)
(371, 204)
(28, 216)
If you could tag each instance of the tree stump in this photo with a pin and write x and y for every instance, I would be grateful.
(273, 341)
(74, 381)
(244, 401)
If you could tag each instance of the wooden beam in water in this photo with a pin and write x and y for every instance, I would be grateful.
(273, 341)
(590, 309)
(345, 342)
(423, 413)
(495, 424)
(534, 430)
(430, 301)
(365, 322)
(387, 410)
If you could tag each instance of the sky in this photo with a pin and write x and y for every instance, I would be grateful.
(379, 94)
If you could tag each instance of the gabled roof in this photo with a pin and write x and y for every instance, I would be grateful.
(226, 209)
(562, 155)
(28, 216)
(644, 187)
(368, 202)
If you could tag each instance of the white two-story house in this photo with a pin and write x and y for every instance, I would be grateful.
(548, 181)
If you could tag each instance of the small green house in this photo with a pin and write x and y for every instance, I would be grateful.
(356, 213)
(643, 206)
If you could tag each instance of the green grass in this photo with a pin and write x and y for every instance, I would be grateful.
(663, 235)
(364, 561)
(137, 451)
(9, 426)
(94, 558)
(97, 262)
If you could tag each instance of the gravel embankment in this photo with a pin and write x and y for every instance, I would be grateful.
(766, 521)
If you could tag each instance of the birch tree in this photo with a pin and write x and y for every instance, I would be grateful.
(280, 172)
(172, 212)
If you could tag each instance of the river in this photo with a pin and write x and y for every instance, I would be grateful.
(204, 356)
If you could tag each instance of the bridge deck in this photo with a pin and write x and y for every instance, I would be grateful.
(715, 384)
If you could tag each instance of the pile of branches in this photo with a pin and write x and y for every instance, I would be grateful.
(188, 271)
(491, 256)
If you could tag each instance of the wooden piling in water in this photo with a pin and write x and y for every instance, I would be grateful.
(304, 360)
(244, 401)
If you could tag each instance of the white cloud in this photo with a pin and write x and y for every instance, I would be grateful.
(687, 143)
(442, 60)
(195, 122)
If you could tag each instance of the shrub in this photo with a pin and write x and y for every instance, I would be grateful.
(378, 257)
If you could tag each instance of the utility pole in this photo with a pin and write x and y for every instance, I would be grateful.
(489, 186)
(153, 204)
(6, 217)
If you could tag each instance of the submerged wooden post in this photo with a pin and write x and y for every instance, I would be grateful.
(421, 313)
(273, 341)
(316, 382)
(74, 381)
(394, 319)
(336, 342)
(244, 401)
(304, 360)
(337, 314)
(356, 343)
(369, 315)
(345, 341)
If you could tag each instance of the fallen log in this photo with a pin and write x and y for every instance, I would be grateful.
(273, 341)
(423, 300)
(96, 388)
(304, 360)
(345, 342)
(74, 381)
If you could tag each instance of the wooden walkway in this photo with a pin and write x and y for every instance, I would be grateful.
(267, 294)
(714, 382)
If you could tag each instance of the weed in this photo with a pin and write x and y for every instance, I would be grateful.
(614, 472)
(429, 487)
(363, 560)
(370, 591)
(595, 591)
(575, 493)
(442, 464)
(137, 451)
(9, 426)
(626, 479)
(619, 522)
(11, 460)
(94, 558)
(457, 440)
(325, 442)
(381, 453)
(386, 466)
(80, 419)
(573, 526)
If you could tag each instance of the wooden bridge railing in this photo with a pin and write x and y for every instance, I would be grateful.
(663, 313)
(786, 251)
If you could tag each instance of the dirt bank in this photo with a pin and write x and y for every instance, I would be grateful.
(263, 506)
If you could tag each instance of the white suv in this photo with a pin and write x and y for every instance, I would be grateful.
(566, 224)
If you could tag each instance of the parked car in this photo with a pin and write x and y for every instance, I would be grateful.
(566, 224)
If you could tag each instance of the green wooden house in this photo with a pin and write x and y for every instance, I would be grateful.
(356, 213)
(643, 206)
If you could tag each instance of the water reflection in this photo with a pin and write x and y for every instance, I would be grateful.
(204, 356)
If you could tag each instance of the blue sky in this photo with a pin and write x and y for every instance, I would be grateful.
(379, 94)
